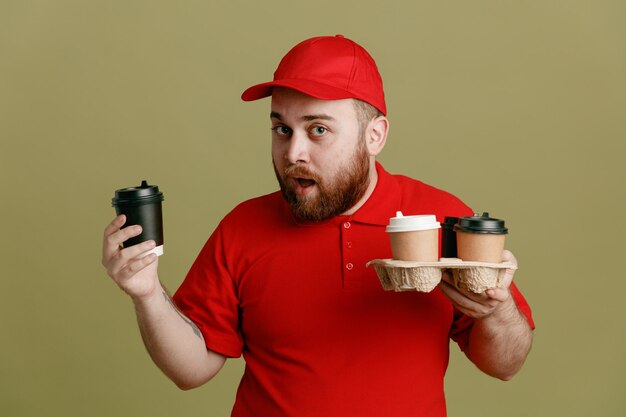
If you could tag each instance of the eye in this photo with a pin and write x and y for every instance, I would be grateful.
(281, 130)
(318, 130)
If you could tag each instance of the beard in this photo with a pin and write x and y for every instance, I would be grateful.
(335, 195)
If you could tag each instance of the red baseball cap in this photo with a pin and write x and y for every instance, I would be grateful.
(328, 68)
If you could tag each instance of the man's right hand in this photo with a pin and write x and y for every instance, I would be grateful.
(135, 275)
(175, 343)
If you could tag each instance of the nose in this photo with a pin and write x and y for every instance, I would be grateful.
(297, 148)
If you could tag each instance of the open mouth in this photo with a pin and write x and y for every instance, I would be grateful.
(305, 182)
(303, 186)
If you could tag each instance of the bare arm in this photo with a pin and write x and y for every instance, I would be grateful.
(173, 341)
(501, 337)
(500, 342)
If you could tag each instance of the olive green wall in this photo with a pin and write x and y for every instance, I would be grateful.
(516, 107)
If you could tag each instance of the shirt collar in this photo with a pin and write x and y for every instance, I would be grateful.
(383, 202)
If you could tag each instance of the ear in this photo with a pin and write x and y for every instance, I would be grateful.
(376, 135)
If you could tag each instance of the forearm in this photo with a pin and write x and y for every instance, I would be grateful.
(174, 342)
(500, 342)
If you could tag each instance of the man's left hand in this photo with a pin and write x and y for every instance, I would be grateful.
(480, 306)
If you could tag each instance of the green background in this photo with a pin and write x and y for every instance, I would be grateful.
(516, 107)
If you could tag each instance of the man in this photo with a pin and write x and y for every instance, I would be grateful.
(282, 280)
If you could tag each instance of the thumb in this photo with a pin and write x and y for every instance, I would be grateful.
(507, 256)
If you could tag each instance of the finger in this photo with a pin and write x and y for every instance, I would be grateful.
(507, 278)
(447, 289)
(457, 299)
(112, 242)
(457, 296)
(125, 256)
(136, 266)
(507, 256)
(466, 304)
(122, 235)
(138, 249)
(479, 298)
(498, 294)
(115, 225)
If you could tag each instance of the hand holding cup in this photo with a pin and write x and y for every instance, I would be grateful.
(130, 254)
(485, 304)
(134, 273)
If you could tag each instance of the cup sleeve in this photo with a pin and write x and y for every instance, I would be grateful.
(462, 324)
(208, 297)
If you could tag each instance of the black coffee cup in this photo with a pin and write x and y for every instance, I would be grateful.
(448, 237)
(480, 238)
(142, 205)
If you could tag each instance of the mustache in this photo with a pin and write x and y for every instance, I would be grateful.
(301, 171)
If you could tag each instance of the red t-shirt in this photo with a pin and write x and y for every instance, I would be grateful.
(319, 335)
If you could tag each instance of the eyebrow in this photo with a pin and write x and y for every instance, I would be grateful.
(307, 118)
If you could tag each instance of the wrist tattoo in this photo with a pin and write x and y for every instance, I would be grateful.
(193, 326)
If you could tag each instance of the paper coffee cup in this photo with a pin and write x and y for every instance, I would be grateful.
(480, 238)
(414, 238)
(143, 206)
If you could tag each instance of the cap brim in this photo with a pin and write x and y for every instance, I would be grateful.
(310, 88)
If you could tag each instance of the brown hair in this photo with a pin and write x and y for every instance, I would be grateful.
(365, 112)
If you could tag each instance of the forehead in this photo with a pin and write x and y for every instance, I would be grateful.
(293, 104)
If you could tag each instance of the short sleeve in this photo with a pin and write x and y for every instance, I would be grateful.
(462, 324)
(208, 297)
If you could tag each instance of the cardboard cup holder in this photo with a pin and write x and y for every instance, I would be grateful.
(425, 276)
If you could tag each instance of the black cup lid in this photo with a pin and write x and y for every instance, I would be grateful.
(144, 194)
(481, 224)
(449, 222)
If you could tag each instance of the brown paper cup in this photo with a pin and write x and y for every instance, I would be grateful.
(480, 247)
(418, 246)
